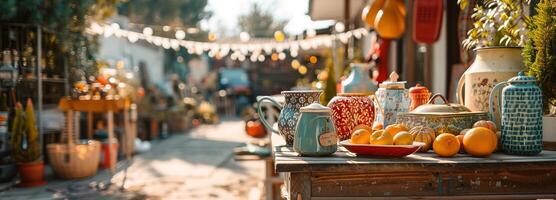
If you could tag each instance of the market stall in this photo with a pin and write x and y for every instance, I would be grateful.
(344, 175)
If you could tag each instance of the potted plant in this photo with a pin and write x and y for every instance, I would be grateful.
(497, 36)
(540, 60)
(25, 146)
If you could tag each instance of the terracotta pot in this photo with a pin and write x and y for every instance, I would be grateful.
(491, 66)
(31, 174)
(350, 110)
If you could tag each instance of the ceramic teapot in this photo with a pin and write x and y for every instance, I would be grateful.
(289, 112)
(521, 115)
(315, 134)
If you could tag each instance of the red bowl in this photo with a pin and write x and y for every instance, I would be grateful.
(382, 150)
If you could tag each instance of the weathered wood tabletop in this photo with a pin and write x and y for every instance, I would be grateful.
(344, 175)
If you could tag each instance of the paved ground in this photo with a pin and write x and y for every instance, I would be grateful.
(196, 165)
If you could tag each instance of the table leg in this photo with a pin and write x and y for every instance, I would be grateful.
(110, 119)
(299, 186)
(90, 125)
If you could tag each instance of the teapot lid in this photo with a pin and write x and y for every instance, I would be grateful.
(393, 83)
(522, 78)
(445, 108)
(315, 107)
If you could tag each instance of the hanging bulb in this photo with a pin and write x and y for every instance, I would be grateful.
(373, 10)
(389, 22)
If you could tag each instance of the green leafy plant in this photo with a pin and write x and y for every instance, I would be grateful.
(25, 138)
(539, 52)
(497, 23)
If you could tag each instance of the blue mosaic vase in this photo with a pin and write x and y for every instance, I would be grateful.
(521, 115)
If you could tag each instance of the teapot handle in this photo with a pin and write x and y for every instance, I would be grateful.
(459, 93)
(496, 90)
(261, 114)
(318, 135)
(377, 103)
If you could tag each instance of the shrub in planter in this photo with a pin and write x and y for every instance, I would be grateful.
(25, 146)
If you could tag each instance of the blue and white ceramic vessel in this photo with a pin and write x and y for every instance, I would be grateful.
(359, 80)
(393, 99)
(521, 115)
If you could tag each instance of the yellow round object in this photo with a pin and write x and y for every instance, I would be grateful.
(446, 145)
(480, 141)
(381, 137)
(403, 138)
(360, 136)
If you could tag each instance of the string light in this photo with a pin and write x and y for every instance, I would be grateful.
(245, 47)
(339, 27)
(180, 34)
(279, 36)
(148, 31)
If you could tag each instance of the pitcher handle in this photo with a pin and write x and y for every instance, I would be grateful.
(318, 135)
(459, 93)
(261, 115)
(377, 103)
(495, 91)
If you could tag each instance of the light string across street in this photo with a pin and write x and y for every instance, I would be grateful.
(256, 48)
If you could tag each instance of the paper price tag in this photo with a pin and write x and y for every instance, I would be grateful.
(328, 139)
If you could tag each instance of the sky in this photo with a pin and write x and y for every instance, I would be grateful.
(226, 13)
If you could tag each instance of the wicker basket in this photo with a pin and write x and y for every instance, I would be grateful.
(73, 160)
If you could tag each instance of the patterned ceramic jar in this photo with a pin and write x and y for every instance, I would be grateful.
(289, 112)
(358, 80)
(350, 110)
(521, 115)
(419, 95)
(393, 99)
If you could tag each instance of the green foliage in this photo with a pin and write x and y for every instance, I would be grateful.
(25, 138)
(65, 21)
(260, 23)
(539, 52)
(497, 23)
(330, 86)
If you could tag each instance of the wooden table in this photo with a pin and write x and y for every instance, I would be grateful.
(423, 175)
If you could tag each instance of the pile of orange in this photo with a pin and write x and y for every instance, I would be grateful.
(395, 134)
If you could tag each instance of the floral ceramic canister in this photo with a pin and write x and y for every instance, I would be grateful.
(350, 110)
(359, 80)
(393, 99)
(521, 111)
(289, 112)
(491, 66)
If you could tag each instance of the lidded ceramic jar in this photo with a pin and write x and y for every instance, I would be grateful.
(521, 112)
(418, 95)
(315, 134)
(393, 98)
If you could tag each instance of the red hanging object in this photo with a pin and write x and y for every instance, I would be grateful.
(427, 20)
(382, 63)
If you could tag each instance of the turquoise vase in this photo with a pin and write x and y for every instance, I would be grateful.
(521, 115)
(358, 80)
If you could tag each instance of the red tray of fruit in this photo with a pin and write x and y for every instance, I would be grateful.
(381, 150)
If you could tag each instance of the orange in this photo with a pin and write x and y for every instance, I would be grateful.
(395, 128)
(480, 141)
(363, 126)
(403, 138)
(381, 137)
(360, 136)
(446, 145)
(487, 124)
(460, 139)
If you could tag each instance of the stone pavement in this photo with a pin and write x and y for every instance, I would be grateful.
(195, 165)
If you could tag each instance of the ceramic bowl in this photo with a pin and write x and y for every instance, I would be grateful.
(382, 150)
